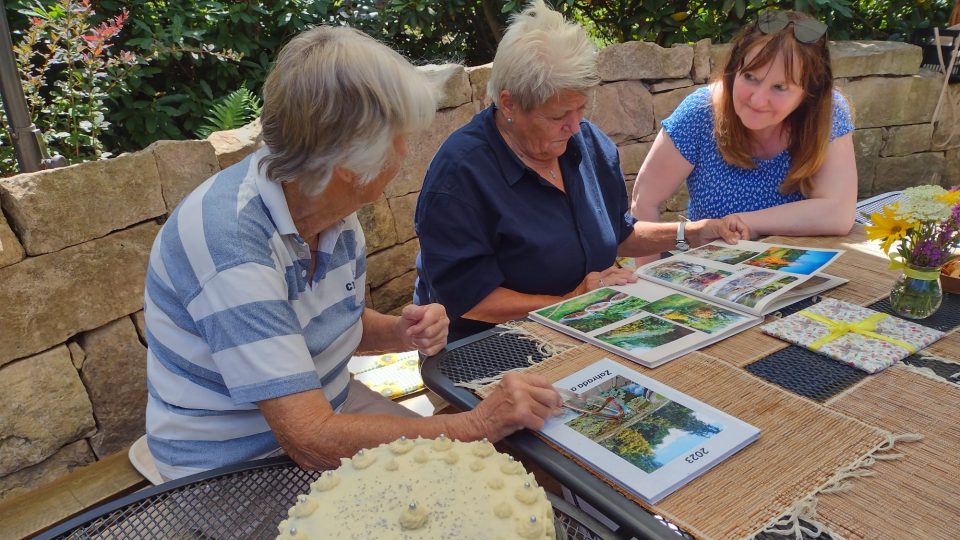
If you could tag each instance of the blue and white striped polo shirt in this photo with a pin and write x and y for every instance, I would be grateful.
(231, 319)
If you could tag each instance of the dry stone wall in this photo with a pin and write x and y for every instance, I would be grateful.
(74, 242)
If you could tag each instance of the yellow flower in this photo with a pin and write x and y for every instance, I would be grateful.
(950, 197)
(887, 226)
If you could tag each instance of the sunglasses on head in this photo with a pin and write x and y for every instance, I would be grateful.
(805, 30)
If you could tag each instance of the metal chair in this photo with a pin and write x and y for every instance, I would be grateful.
(874, 204)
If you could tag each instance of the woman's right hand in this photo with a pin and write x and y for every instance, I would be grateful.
(604, 278)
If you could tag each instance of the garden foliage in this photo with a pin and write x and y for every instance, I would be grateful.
(185, 56)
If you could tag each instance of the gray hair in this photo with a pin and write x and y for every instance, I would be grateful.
(337, 97)
(540, 55)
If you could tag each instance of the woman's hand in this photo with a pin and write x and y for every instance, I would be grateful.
(520, 401)
(603, 278)
(730, 228)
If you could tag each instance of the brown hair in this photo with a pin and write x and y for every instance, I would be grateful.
(808, 126)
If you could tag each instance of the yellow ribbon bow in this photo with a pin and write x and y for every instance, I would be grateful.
(865, 327)
(897, 263)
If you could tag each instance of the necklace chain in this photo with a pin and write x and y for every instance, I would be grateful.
(527, 159)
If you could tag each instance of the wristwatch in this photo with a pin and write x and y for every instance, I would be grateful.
(682, 244)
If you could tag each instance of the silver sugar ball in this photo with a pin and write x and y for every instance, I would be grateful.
(526, 485)
(533, 519)
(403, 437)
(485, 440)
(510, 459)
(412, 506)
(293, 531)
(360, 453)
(301, 498)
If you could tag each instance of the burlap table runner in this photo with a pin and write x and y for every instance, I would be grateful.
(917, 496)
(802, 444)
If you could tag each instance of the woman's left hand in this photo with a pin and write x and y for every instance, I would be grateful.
(424, 327)
(730, 228)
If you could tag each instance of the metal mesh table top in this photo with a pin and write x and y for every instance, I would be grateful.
(243, 501)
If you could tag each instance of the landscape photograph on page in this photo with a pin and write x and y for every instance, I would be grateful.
(647, 437)
(653, 429)
(645, 322)
(751, 276)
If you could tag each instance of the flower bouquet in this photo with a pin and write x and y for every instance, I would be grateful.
(920, 233)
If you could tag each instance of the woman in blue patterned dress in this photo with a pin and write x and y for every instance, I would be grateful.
(770, 141)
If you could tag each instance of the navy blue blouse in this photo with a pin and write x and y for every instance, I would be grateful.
(486, 220)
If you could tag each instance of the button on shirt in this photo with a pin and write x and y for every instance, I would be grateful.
(231, 319)
(486, 220)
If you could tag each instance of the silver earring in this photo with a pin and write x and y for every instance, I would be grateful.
(509, 120)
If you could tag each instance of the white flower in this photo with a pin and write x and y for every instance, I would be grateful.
(920, 204)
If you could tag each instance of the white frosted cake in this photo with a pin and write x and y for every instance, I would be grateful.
(423, 489)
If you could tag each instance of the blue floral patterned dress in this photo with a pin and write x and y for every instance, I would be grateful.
(719, 189)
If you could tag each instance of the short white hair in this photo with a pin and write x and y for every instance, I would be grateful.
(540, 55)
(337, 97)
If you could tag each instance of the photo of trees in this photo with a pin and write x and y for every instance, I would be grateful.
(654, 430)
(694, 313)
(644, 334)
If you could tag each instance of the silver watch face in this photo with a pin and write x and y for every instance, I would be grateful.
(682, 245)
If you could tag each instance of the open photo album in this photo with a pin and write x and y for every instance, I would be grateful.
(644, 435)
(690, 300)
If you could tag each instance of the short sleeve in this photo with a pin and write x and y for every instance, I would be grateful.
(244, 316)
(690, 126)
(842, 118)
(457, 253)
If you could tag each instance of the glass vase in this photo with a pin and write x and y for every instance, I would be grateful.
(916, 294)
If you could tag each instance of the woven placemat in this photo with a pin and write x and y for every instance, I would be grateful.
(801, 444)
(806, 373)
(914, 497)
(945, 319)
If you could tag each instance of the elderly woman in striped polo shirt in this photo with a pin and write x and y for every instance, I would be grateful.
(254, 297)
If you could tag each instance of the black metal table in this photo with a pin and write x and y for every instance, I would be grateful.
(492, 352)
(241, 501)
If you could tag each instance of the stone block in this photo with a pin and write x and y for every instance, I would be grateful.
(68, 458)
(623, 110)
(10, 249)
(905, 100)
(702, 69)
(395, 293)
(895, 173)
(862, 58)
(402, 208)
(77, 354)
(115, 374)
(951, 168)
(451, 82)
(866, 147)
(479, 77)
(367, 297)
(183, 165)
(53, 209)
(33, 428)
(233, 145)
(719, 55)
(669, 84)
(677, 203)
(422, 146)
(637, 60)
(391, 263)
(904, 140)
(44, 300)
(946, 132)
(632, 156)
(664, 104)
(378, 226)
